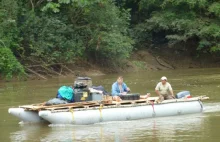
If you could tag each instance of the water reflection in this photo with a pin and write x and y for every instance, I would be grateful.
(159, 129)
(28, 132)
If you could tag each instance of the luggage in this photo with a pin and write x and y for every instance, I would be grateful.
(135, 96)
(55, 101)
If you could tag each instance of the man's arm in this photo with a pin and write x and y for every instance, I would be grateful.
(157, 92)
(114, 90)
(126, 89)
(157, 89)
(171, 91)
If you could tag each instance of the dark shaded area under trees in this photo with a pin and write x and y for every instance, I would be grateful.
(103, 32)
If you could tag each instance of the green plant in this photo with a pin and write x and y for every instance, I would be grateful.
(180, 21)
(9, 65)
(140, 64)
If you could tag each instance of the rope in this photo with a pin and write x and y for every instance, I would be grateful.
(72, 112)
(153, 107)
(100, 110)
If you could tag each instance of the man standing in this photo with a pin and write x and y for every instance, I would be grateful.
(164, 90)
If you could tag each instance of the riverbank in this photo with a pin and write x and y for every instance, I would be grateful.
(139, 61)
(144, 60)
(162, 59)
(157, 59)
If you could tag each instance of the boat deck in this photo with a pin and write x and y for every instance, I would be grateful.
(107, 104)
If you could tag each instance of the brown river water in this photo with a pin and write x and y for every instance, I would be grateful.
(192, 128)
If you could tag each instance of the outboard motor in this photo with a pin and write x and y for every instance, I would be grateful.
(80, 85)
(183, 94)
(81, 89)
(85, 80)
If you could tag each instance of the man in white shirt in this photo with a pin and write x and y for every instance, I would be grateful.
(164, 89)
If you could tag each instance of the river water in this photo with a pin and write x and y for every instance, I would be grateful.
(191, 128)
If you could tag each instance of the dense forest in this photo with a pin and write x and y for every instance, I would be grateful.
(105, 32)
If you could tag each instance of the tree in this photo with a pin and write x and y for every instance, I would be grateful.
(181, 21)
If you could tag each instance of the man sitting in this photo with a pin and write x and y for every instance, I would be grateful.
(120, 88)
(164, 90)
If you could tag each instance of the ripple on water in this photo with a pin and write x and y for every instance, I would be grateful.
(211, 107)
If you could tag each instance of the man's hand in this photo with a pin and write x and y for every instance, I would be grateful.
(124, 93)
(128, 89)
(172, 94)
(157, 92)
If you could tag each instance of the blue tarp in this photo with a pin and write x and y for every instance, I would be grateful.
(66, 93)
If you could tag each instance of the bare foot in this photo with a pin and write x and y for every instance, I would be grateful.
(117, 98)
(147, 95)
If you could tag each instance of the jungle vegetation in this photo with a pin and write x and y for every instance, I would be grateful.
(105, 32)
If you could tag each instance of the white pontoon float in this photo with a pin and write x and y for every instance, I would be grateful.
(84, 113)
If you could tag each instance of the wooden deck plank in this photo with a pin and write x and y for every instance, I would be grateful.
(60, 105)
(37, 107)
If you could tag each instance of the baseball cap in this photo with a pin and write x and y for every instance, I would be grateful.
(163, 78)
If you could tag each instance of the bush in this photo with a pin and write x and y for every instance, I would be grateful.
(9, 65)
(180, 21)
(109, 33)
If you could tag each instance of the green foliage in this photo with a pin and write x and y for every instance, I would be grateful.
(140, 64)
(180, 21)
(50, 39)
(108, 31)
(215, 8)
(9, 66)
(215, 48)
(81, 3)
(53, 6)
(99, 26)
(8, 23)
(209, 34)
(62, 31)
(114, 46)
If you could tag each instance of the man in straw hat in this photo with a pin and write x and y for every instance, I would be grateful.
(164, 89)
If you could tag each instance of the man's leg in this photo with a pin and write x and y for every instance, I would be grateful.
(161, 98)
(168, 97)
(116, 98)
(145, 96)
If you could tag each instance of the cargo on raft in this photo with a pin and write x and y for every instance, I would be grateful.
(94, 105)
(83, 113)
